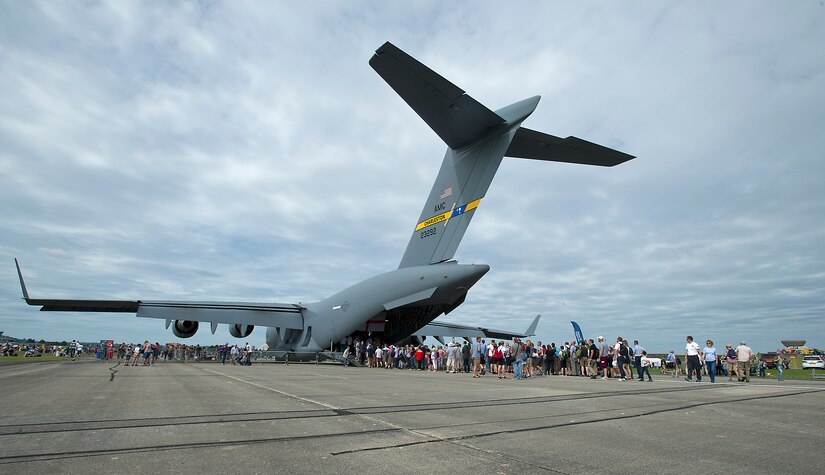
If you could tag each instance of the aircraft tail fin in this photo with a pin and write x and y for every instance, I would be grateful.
(456, 117)
(477, 140)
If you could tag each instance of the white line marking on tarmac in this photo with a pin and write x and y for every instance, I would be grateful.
(334, 408)
(18, 371)
(283, 393)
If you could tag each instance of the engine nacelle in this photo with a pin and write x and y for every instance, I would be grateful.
(184, 328)
(241, 331)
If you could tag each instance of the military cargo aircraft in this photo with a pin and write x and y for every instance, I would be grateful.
(401, 303)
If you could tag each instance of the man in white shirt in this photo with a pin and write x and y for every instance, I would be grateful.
(743, 358)
(692, 350)
(489, 356)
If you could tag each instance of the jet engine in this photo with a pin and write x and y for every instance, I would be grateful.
(184, 328)
(240, 331)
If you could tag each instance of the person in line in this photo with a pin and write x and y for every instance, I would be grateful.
(692, 351)
(527, 358)
(519, 356)
(604, 356)
(584, 358)
(477, 350)
(379, 356)
(370, 353)
(498, 360)
(388, 354)
(136, 353)
(562, 357)
(618, 350)
(637, 357)
(550, 358)
(507, 358)
(709, 353)
(147, 352)
(628, 352)
(573, 358)
(593, 359)
(488, 357)
(743, 359)
(644, 367)
(466, 354)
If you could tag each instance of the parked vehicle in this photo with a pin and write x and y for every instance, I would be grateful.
(813, 361)
(769, 359)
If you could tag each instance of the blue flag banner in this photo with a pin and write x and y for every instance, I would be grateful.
(578, 331)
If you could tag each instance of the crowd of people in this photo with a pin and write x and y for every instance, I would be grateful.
(503, 358)
(521, 360)
(71, 350)
(708, 361)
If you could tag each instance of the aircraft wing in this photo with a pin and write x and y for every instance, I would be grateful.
(441, 329)
(233, 313)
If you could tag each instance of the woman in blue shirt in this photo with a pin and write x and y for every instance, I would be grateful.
(710, 360)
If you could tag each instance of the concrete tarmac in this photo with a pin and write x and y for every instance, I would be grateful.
(273, 418)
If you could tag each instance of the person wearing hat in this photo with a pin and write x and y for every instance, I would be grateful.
(743, 357)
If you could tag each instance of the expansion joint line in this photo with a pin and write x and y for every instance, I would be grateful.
(341, 411)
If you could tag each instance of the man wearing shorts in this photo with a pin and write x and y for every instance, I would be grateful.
(478, 349)
(593, 359)
(604, 356)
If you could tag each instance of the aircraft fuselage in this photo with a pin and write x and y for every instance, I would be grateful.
(441, 286)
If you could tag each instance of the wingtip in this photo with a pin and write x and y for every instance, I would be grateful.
(531, 330)
(22, 282)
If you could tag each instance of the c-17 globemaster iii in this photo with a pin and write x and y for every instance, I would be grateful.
(428, 282)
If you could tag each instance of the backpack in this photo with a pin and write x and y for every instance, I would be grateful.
(583, 351)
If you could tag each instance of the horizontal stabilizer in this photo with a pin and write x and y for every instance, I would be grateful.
(442, 329)
(540, 146)
(456, 117)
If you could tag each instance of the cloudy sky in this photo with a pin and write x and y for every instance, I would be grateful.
(247, 151)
